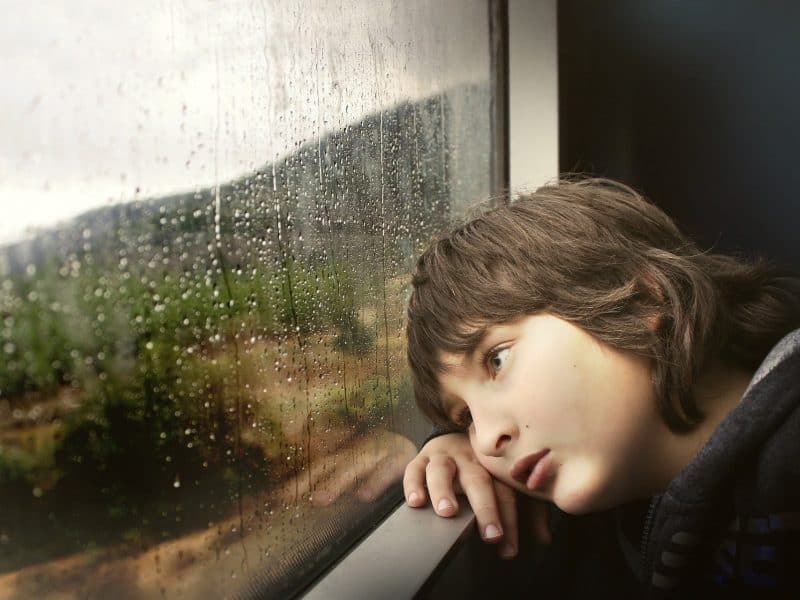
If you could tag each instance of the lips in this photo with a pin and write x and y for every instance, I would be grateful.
(530, 470)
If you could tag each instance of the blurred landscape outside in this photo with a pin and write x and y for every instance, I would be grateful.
(200, 390)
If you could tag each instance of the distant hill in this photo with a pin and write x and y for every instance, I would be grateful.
(389, 175)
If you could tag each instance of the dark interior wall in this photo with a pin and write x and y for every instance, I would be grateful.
(695, 103)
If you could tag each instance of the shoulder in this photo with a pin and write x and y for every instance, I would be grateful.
(774, 394)
(740, 499)
(767, 489)
(778, 363)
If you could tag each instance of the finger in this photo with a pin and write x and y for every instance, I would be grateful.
(384, 474)
(480, 490)
(540, 521)
(440, 473)
(414, 481)
(509, 511)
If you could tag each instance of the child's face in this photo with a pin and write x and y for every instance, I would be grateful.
(546, 387)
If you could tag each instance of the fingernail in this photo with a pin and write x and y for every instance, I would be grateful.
(507, 550)
(491, 532)
(444, 504)
(413, 498)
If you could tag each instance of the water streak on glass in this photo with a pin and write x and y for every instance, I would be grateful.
(211, 214)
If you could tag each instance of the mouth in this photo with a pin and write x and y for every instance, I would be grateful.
(531, 470)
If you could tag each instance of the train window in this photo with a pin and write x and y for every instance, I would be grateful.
(210, 214)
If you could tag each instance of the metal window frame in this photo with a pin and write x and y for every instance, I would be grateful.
(498, 41)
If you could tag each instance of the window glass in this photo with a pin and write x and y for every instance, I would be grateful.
(211, 212)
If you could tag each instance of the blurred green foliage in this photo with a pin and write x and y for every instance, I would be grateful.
(155, 443)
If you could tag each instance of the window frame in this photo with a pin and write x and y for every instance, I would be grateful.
(413, 546)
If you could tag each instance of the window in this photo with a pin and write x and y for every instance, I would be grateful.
(212, 211)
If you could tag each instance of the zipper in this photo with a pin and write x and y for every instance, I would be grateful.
(646, 531)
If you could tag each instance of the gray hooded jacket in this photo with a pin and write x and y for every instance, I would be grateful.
(729, 523)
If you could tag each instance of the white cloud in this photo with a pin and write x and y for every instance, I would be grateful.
(101, 99)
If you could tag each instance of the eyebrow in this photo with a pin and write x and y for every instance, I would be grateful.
(469, 351)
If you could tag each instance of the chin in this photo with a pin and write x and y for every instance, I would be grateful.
(575, 506)
(581, 499)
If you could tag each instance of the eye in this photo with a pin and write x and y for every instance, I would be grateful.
(496, 360)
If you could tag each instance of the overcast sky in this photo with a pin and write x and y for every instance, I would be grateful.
(101, 99)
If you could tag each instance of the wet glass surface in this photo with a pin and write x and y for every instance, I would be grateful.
(210, 216)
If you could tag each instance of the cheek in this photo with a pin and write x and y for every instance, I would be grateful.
(584, 485)
(554, 405)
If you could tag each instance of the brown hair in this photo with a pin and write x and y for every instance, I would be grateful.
(597, 254)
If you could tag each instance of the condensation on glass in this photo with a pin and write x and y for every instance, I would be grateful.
(210, 215)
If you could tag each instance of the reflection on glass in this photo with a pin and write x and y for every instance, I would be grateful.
(211, 215)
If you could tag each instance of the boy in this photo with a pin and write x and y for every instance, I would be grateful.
(576, 348)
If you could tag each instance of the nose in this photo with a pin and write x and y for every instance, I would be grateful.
(493, 433)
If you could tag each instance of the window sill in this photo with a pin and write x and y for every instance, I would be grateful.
(396, 559)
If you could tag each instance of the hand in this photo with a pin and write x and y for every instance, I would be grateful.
(450, 466)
